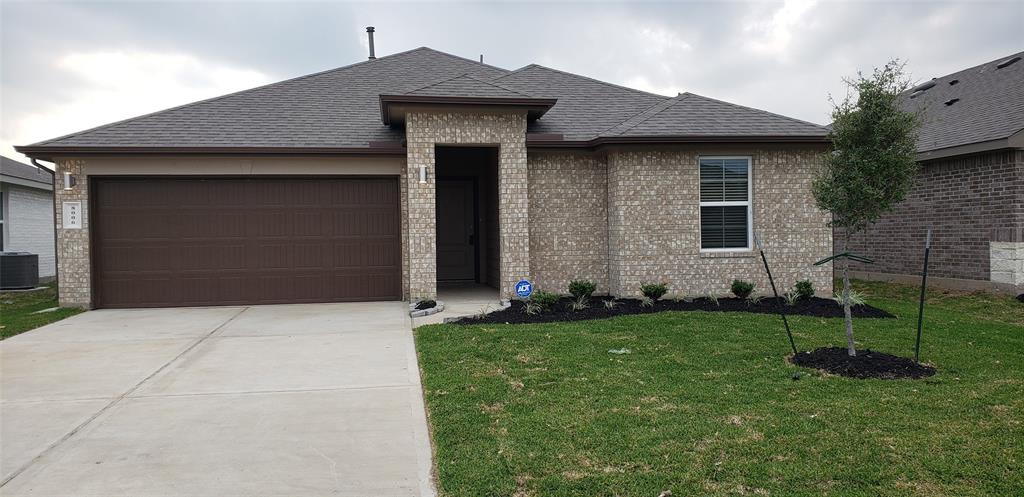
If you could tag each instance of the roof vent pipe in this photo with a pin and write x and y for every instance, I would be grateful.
(369, 34)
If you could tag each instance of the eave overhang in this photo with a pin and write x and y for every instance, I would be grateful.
(553, 141)
(394, 107)
(46, 152)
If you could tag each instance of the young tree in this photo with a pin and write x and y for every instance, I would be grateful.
(872, 164)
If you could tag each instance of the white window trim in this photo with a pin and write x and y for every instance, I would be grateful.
(749, 203)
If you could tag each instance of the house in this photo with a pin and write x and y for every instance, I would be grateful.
(970, 188)
(26, 212)
(383, 179)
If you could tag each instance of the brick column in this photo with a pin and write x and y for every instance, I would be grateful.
(73, 268)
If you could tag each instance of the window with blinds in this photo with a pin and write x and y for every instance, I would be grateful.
(725, 203)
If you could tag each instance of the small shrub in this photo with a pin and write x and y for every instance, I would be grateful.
(611, 304)
(791, 297)
(646, 301)
(804, 289)
(712, 298)
(580, 303)
(742, 289)
(582, 288)
(856, 298)
(533, 308)
(425, 304)
(545, 300)
(754, 299)
(654, 291)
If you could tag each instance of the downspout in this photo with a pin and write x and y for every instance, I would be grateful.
(56, 270)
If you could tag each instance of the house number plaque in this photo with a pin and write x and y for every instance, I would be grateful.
(72, 215)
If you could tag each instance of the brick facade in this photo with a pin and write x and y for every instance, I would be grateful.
(969, 202)
(630, 216)
(507, 130)
(618, 217)
(654, 233)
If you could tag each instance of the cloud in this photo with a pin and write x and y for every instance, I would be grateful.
(108, 86)
(100, 61)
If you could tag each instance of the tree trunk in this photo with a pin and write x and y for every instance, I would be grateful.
(847, 314)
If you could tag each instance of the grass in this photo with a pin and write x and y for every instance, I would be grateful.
(705, 404)
(16, 310)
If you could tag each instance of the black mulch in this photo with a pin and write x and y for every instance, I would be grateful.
(866, 364)
(562, 311)
(1020, 297)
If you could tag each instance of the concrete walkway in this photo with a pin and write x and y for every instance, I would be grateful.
(460, 301)
(319, 399)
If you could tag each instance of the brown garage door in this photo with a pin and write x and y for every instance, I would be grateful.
(183, 242)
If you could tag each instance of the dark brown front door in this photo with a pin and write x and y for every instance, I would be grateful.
(165, 242)
(456, 237)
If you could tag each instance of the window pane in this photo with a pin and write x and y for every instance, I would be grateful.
(712, 172)
(723, 227)
(723, 180)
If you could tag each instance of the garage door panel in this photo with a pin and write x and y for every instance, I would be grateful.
(172, 241)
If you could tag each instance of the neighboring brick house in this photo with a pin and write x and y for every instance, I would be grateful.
(381, 179)
(26, 213)
(970, 189)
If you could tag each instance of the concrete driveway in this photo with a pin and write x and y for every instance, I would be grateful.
(319, 399)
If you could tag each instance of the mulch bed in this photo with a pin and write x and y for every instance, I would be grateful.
(818, 307)
(1020, 298)
(866, 364)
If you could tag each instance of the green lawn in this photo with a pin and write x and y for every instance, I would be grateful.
(16, 310)
(705, 404)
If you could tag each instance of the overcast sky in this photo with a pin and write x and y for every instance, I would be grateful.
(67, 66)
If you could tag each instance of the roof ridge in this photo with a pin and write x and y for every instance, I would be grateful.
(645, 115)
(248, 90)
(595, 80)
(757, 110)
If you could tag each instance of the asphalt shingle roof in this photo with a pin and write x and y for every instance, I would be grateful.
(15, 169)
(586, 107)
(990, 106)
(466, 86)
(336, 108)
(693, 115)
(340, 108)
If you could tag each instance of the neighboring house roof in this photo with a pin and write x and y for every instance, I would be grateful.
(971, 110)
(342, 110)
(14, 172)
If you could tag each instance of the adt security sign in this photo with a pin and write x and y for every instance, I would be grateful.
(524, 288)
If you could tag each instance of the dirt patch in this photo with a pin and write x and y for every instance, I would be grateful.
(597, 309)
(866, 364)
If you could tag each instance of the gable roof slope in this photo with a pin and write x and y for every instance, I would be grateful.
(585, 107)
(975, 105)
(331, 109)
(689, 114)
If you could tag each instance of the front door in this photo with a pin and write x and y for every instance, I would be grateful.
(456, 233)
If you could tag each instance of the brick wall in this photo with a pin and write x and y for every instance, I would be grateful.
(654, 233)
(645, 202)
(28, 224)
(507, 130)
(967, 201)
(568, 219)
